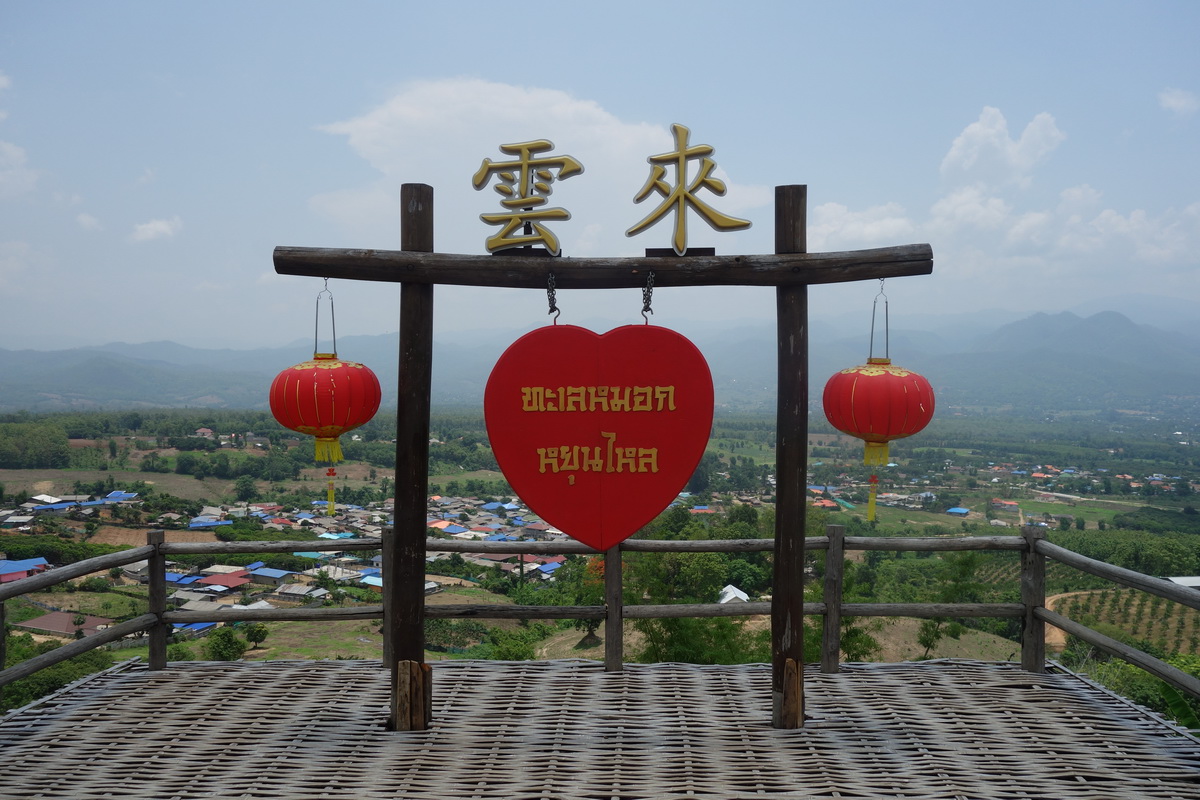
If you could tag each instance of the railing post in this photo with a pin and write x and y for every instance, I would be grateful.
(156, 568)
(791, 467)
(405, 585)
(614, 604)
(3, 636)
(831, 633)
(1033, 596)
(387, 542)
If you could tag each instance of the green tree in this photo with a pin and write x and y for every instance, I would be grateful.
(245, 489)
(224, 645)
(180, 652)
(255, 633)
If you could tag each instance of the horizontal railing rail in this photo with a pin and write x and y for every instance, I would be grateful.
(1031, 545)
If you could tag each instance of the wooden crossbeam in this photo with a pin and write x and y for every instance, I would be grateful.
(529, 272)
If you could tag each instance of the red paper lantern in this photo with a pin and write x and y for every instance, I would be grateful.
(325, 397)
(878, 402)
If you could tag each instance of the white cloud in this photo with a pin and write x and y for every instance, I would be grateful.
(835, 227)
(15, 177)
(970, 207)
(5, 81)
(439, 132)
(156, 229)
(88, 222)
(985, 152)
(1179, 101)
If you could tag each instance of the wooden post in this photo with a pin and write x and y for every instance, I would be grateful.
(387, 541)
(1033, 596)
(614, 629)
(791, 467)
(156, 567)
(831, 635)
(405, 586)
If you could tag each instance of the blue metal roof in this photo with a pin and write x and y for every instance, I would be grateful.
(24, 565)
(55, 506)
(271, 572)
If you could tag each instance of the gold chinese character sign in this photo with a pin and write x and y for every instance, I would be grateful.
(525, 183)
(599, 433)
(681, 196)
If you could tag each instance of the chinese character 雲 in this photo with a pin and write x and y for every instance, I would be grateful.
(524, 182)
(682, 195)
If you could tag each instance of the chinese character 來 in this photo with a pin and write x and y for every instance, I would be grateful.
(525, 184)
(682, 196)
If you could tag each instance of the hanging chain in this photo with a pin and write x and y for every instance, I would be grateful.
(886, 330)
(317, 320)
(647, 295)
(551, 285)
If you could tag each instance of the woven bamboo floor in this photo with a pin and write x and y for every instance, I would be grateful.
(567, 729)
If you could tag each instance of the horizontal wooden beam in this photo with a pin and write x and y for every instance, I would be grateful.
(77, 647)
(1185, 595)
(527, 272)
(298, 545)
(1159, 669)
(51, 577)
(934, 544)
(226, 613)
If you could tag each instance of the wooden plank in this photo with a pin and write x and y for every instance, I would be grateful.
(1127, 577)
(784, 268)
(1033, 596)
(401, 718)
(792, 715)
(831, 629)
(156, 567)
(614, 604)
(791, 461)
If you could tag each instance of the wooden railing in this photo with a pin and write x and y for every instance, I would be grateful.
(1032, 546)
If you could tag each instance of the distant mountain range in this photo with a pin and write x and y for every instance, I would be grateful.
(1044, 361)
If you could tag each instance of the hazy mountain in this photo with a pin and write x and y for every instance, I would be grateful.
(1061, 360)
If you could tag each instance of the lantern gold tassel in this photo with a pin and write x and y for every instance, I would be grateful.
(328, 449)
(875, 453)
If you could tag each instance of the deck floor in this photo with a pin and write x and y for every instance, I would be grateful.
(567, 729)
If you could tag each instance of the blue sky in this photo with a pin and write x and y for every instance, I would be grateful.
(153, 154)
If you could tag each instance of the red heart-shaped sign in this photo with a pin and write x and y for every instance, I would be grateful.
(599, 433)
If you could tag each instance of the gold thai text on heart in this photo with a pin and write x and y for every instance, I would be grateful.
(598, 398)
(606, 458)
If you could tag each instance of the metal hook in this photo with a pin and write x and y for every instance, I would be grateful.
(550, 297)
(647, 294)
(886, 330)
(317, 320)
